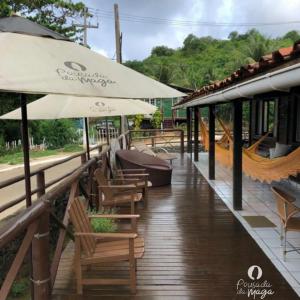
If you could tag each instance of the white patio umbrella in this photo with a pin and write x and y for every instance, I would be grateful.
(61, 106)
(36, 60)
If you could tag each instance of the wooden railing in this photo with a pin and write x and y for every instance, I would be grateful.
(35, 220)
(168, 138)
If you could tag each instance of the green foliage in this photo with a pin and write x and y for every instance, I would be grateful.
(138, 121)
(162, 51)
(292, 35)
(54, 14)
(103, 224)
(57, 133)
(202, 60)
(156, 119)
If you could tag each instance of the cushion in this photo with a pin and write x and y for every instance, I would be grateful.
(280, 150)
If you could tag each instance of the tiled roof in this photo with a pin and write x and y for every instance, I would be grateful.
(266, 63)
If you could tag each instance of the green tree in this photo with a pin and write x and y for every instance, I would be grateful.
(258, 45)
(162, 51)
(292, 35)
(54, 14)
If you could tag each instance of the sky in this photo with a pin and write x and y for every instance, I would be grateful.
(139, 37)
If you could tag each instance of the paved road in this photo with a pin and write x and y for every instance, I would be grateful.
(18, 189)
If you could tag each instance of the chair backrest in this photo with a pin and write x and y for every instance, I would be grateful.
(81, 223)
(102, 181)
(284, 203)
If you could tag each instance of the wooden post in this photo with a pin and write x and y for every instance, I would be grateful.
(196, 133)
(181, 141)
(25, 142)
(87, 138)
(237, 153)
(188, 129)
(40, 250)
(211, 151)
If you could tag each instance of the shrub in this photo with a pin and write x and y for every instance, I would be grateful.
(156, 119)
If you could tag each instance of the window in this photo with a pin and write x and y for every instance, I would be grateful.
(266, 117)
(152, 101)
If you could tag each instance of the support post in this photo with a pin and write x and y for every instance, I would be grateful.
(211, 151)
(87, 138)
(237, 153)
(25, 142)
(188, 129)
(40, 250)
(196, 133)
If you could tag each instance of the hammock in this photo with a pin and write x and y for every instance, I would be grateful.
(254, 165)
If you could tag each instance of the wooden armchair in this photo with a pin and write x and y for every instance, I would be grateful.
(138, 177)
(116, 194)
(96, 248)
(287, 211)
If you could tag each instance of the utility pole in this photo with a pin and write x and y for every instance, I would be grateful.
(85, 26)
(118, 36)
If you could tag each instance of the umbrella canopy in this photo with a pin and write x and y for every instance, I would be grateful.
(62, 106)
(41, 63)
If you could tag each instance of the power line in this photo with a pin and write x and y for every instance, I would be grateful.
(183, 22)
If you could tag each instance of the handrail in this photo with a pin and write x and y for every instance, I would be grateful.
(16, 179)
(154, 137)
(20, 222)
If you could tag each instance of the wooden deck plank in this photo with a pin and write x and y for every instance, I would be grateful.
(194, 249)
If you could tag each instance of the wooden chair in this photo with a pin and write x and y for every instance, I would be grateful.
(116, 194)
(96, 248)
(138, 177)
(287, 211)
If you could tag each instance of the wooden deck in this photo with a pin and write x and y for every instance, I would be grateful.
(195, 249)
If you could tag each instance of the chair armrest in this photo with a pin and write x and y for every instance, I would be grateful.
(121, 186)
(134, 175)
(107, 235)
(131, 170)
(115, 216)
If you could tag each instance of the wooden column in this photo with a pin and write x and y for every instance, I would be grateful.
(188, 128)
(211, 151)
(196, 133)
(237, 153)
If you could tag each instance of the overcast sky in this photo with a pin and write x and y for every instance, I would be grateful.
(140, 37)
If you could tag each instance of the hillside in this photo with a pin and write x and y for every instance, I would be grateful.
(202, 60)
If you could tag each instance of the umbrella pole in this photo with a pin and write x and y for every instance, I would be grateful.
(107, 133)
(25, 142)
(87, 138)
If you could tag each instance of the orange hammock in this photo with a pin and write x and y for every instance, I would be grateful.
(254, 165)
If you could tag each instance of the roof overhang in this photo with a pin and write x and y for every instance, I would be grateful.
(281, 80)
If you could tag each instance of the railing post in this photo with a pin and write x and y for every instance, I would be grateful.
(83, 158)
(40, 250)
